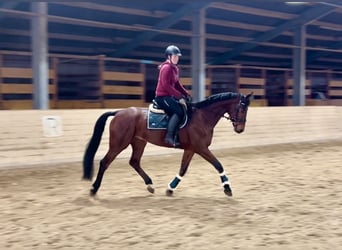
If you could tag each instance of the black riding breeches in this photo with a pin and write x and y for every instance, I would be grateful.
(170, 105)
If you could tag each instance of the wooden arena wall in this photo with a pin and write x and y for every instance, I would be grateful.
(93, 82)
(23, 142)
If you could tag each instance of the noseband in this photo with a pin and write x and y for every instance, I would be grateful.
(241, 105)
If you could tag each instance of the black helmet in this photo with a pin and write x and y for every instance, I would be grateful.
(172, 50)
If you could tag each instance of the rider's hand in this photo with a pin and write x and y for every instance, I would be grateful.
(182, 101)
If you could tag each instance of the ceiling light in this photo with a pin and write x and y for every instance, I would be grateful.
(296, 3)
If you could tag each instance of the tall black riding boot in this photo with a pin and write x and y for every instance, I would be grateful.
(171, 130)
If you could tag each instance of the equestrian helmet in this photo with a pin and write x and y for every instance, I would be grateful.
(172, 50)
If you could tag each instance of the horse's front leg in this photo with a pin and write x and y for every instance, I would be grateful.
(207, 155)
(187, 156)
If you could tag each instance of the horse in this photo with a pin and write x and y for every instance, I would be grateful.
(129, 127)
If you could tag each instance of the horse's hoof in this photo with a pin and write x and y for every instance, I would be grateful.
(169, 192)
(227, 190)
(150, 188)
(228, 193)
(92, 192)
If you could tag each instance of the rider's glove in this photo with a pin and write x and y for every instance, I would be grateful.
(182, 101)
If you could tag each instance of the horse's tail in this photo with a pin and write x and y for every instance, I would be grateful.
(93, 145)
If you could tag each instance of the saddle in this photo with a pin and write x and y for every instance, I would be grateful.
(158, 119)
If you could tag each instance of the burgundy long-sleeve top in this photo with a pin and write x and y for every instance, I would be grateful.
(168, 81)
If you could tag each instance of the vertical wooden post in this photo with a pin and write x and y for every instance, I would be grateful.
(1, 83)
(101, 80)
(263, 76)
(308, 87)
(209, 75)
(286, 87)
(55, 81)
(143, 83)
(237, 77)
(328, 84)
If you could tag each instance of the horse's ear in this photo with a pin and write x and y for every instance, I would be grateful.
(249, 95)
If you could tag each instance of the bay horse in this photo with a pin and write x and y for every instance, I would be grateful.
(129, 127)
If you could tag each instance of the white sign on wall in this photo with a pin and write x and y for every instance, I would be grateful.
(52, 126)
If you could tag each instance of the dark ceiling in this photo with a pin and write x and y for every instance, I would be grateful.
(237, 32)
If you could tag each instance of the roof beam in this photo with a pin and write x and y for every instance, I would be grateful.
(319, 54)
(164, 24)
(223, 23)
(10, 5)
(252, 11)
(310, 15)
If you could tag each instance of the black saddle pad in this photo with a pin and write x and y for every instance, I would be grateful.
(160, 120)
(157, 120)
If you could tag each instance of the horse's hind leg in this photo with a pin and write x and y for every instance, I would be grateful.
(138, 147)
(104, 163)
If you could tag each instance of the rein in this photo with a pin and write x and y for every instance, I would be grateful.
(234, 119)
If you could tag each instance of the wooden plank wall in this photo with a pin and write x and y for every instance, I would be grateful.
(118, 89)
(289, 90)
(22, 141)
(121, 89)
(187, 82)
(257, 86)
(11, 84)
(335, 92)
(277, 125)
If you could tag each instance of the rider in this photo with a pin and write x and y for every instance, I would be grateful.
(170, 92)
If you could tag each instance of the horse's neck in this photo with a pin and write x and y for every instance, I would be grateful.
(213, 113)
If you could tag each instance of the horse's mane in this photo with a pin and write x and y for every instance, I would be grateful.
(215, 98)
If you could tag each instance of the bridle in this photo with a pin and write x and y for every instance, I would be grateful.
(242, 105)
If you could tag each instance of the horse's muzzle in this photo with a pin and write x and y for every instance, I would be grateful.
(238, 130)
